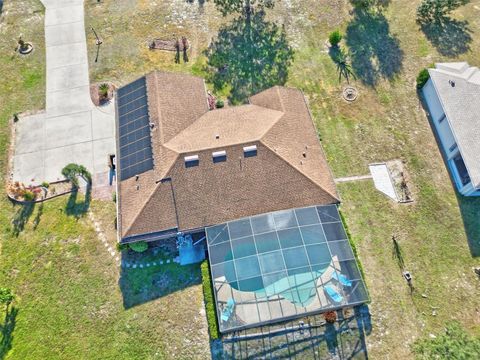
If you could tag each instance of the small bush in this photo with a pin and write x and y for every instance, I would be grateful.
(139, 246)
(45, 184)
(121, 247)
(28, 195)
(422, 78)
(220, 104)
(209, 301)
(6, 296)
(335, 37)
(72, 171)
(103, 90)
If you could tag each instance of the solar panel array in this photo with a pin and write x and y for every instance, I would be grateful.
(134, 130)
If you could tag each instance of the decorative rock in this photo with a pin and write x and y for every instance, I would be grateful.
(168, 261)
(134, 266)
(161, 262)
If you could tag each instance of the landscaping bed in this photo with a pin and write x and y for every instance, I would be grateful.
(20, 193)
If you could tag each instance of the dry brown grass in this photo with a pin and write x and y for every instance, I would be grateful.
(386, 122)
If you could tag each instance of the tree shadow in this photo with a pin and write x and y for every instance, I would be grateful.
(249, 55)
(78, 208)
(38, 216)
(21, 217)
(141, 283)
(397, 253)
(374, 51)
(449, 36)
(341, 59)
(201, 3)
(370, 3)
(6, 329)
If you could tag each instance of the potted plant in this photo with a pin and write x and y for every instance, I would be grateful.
(330, 317)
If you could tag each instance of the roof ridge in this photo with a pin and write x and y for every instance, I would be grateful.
(302, 173)
(277, 89)
(260, 137)
(159, 112)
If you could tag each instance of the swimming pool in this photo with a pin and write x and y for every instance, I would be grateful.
(267, 267)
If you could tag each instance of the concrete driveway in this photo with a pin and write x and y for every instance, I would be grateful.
(71, 129)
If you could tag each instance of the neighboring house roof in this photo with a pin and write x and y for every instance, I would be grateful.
(288, 171)
(458, 89)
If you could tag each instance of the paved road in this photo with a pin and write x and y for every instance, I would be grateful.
(71, 129)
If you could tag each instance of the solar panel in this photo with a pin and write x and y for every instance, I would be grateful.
(281, 265)
(135, 144)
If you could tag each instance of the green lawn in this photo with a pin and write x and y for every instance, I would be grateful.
(387, 49)
(69, 300)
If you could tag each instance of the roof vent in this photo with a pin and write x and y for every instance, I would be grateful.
(137, 177)
(304, 154)
(152, 125)
(191, 160)
(217, 136)
(219, 156)
(452, 83)
(249, 151)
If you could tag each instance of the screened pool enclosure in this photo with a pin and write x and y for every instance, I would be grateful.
(282, 265)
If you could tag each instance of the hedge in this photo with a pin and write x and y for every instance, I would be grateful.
(209, 301)
(139, 246)
(354, 247)
(422, 78)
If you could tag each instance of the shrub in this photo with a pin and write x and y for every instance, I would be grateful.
(220, 104)
(209, 301)
(28, 195)
(6, 296)
(422, 78)
(45, 184)
(335, 37)
(103, 90)
(354, 247)
(72, 171)
(139, 246)
(121, 247)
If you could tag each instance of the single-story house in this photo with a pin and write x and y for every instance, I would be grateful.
(452, 95)
(182, 167)
(253, 179)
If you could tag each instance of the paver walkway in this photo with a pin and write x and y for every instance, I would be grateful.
(71, 129)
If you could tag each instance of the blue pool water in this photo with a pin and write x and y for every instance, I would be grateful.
(298, 288)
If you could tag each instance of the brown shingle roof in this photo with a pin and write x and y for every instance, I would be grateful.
(288, 171)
